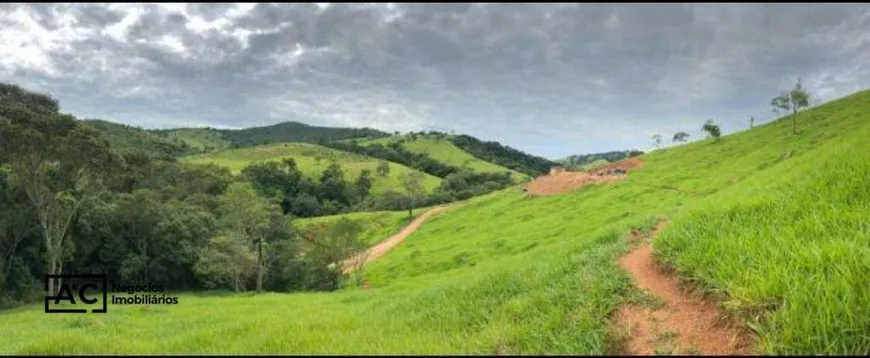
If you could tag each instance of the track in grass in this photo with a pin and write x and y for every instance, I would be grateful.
(682, 323)
(382, 247)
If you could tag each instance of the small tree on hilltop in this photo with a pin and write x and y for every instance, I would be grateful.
(792, 101)
(751, 122)
(657, 140)
(680, 137)
(712, 129)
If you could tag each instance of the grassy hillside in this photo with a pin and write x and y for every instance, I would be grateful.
(295, 132)
(124, 138)
(376, 226)
(203, 139)
(305, 156)
(445, 152)
(774, 221)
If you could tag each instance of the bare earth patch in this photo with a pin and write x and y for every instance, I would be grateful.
(684, 323)
(562, 182)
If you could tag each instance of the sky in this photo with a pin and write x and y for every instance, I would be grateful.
(549, 79)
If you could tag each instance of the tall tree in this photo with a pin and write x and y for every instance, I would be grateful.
(751, 122)
(54, 159)
(413, 184)
(792, 101)
(245, 215)
(363, 184)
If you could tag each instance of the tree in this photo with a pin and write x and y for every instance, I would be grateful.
(413, 184)
(333, 186)
(363, 183)
(680, 137)
(338, 247)
(792, 101)
(245, 216)
(226, 259)
(383, 168)
(751, 122)
(54, 159)
(657, 140)
(711, 129)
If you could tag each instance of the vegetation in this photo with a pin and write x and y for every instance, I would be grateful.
(657, 140)
(132, 140)
(436, 146)
(776, 224)
(495, 152)
(680, 137)
(584, 160)
(203, 140)
(792, 101)
(712, 130)
(305, 155)
(294, 132)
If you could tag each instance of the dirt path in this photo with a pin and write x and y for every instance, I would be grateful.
(382, 247)
(684, 323)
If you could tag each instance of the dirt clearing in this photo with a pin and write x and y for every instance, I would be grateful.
(559, 182)
(682, 322)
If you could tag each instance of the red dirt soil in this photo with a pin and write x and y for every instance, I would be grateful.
(686, 324)
(564, 181)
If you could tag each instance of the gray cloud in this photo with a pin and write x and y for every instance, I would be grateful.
(551, 79)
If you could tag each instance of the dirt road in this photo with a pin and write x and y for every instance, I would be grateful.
(382, 247)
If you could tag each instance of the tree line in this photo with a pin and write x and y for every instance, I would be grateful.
(71, 202)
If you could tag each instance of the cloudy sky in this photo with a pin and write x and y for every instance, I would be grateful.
(552, 80)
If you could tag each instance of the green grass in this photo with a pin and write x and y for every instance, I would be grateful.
(376, 226)
(784, 237)
(304, 154)
(445, 152)
(200, 138)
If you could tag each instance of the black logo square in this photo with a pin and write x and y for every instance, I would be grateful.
(82, 292)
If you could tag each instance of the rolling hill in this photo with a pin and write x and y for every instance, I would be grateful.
(306, 156)
(445, 152)
(127, 139)
(773, 224)
(203, 139)
(294, 132)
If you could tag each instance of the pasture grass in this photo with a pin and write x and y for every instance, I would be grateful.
(775, 222)
(305, 156)
(446, 152)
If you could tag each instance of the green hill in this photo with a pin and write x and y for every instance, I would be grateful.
(203, 139)
(774, 222)
(124, 138)
(445, 152)
(294, 132)
(306, 156)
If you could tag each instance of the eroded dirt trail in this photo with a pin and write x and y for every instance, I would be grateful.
(684, 323)
(382, 247)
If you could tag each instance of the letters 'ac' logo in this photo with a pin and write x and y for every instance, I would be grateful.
(78, 292)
